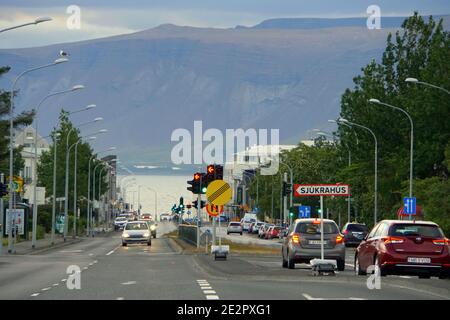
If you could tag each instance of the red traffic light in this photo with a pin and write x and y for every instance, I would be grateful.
(211, 169)
(197, 176)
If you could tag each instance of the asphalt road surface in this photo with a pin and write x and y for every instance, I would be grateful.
(161, 271)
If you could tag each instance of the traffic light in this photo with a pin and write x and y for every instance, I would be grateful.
(291, 212)
(287, 189)
(3, 190)
(219, 172)
(195, 183)
(195, 204)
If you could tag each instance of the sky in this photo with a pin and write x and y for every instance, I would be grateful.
(101, 18)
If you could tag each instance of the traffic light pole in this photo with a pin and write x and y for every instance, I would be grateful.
(199, 208)
(285, 211)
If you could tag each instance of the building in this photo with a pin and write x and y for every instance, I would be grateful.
(25, 138)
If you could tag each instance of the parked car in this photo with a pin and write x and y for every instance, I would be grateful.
(405, 247)
(164, 217)
(273, 232)
(234, 227)
(303, 243)
(263, 229)
(247, 220)
(354, 233)
(136, 232)
(258, 224)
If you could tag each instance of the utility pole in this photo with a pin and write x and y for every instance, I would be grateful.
(285, 210)
(2, 208)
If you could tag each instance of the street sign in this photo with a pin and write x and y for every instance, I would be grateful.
(303, 190)
(17, 184)
(304, 212)
(213, 210)
(409, 205)
(218, 192)
(17, 216)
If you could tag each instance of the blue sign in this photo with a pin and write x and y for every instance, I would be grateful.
(304, 212)
(409, 205)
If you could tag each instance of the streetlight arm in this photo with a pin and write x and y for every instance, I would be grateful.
(433, 86)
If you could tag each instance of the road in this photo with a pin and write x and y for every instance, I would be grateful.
(110, 271)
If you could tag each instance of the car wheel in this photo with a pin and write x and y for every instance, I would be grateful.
(149, 243)
(241, 233)
(358, 269)
(124, 244)
(341, 265)
(290, 262)
(228, 233)
(154, 236)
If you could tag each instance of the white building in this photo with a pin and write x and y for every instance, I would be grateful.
(25, 138)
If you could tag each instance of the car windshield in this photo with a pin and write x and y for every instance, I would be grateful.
(314, 228)
(416, 230)
(357, 227)
(136, 226)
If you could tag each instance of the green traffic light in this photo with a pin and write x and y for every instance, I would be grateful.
(204, 190)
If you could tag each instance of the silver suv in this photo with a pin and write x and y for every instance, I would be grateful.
(302, 243)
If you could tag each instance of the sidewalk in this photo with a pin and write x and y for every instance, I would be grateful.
(24, 247)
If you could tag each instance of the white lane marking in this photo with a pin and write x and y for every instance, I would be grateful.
(111, 252)
(405, 277)
(95, 261)
(201, 281)
(209, 292)
(206, 288)
(212, 297)
(128, 283)
(350, 265)
(91, 264)
(203, 284)
(308, 297)
(85, 268)
(35, 294)
(120, 298)
(63, 280)
(56, 284)
(46, 289)
(71, 251)
(91, 254)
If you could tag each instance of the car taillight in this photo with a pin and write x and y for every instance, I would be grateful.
(346, 231)
(339, 239)
(296, 238)
(441, 242)
(388, 240)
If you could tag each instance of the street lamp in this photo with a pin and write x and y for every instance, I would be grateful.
(66, 193)
(345, 121)
(415, 81)
(89, 213)
(411, 149)
(35, 206)
(36, 21)
(11, 142)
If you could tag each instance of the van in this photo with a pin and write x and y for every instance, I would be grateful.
(247, 220)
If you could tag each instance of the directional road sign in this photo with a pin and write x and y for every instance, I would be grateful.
(302, 190)
(304, 212)
(409, 205)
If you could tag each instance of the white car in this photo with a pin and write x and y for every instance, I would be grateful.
(119, 223)
(234, 227)
(136, 232)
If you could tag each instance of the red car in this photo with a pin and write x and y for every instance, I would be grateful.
(272, 232)
(405, 247)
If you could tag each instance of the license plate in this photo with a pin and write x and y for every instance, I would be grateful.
(419, 260)
(316, 242)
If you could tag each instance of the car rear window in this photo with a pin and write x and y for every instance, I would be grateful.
(312, 228)
(357, 227)
(415, 230)
(235, 224)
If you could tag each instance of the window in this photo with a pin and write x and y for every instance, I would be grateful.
(312, 228)
(404, 230)
(382, 230)
(372, 233)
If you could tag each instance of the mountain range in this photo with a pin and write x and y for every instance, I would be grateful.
(282, 73)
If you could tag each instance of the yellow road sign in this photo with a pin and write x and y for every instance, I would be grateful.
(218, 192)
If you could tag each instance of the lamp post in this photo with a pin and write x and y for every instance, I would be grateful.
(89, 209)
(36, 21)
(156, 202)
(66, 191)
(35, 206)
(375, 210)
(411, 148)
(11, 143)
(416, 81)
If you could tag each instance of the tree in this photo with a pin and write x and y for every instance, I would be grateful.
(85, 152)
(23, 119)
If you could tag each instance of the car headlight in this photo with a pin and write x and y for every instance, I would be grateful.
(146, 235)
(125, 235)
(153, 228)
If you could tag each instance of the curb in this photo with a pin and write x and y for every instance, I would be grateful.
(50, 247)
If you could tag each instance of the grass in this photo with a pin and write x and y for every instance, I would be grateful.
(235, 248)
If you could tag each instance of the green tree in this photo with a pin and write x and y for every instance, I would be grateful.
(23, 119)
